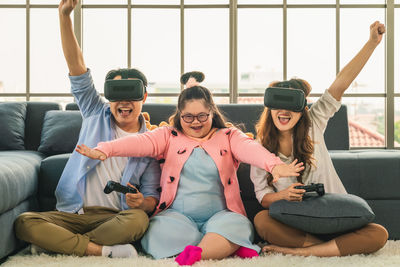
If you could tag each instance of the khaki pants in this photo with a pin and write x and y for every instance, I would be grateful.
(70, 233)
(367, 239)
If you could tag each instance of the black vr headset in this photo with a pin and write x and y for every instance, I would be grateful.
(125, 89)
(285, 98)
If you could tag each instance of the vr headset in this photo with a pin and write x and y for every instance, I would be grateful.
(285, 98)
(125, 89)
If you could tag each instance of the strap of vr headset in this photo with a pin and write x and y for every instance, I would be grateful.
(124, 74)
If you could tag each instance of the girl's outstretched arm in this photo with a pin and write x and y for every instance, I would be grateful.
(148, 144)
(247, 150)
(347, 75)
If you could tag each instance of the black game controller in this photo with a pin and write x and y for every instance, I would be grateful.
(114, 186)
(319, 188)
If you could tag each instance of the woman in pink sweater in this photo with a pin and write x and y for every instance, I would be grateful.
(200, 214)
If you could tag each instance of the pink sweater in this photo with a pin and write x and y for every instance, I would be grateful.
(227, 147)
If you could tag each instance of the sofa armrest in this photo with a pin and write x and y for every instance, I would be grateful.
(50, 172)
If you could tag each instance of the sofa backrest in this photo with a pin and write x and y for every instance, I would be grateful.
(336, 133)
(35, 112)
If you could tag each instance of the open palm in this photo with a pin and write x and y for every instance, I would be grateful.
(90, 152)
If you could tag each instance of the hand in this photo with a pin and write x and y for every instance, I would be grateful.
(285, 170)
(90, 152)
(66, 6)
(377, 30)
(134, 201)
(293, 194)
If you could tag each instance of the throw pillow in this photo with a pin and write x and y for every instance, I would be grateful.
(12, 130)
(60, 132)
(328, 214)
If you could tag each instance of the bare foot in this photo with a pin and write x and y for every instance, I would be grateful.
(278, 249)
(326, 249)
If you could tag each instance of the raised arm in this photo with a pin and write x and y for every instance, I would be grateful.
(353, 68)
(72, 51)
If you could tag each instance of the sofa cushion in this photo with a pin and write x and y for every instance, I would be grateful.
(35, 112)
(12, 130)
(328, 214)
(60, 132)
(18, 177)
(362, 172)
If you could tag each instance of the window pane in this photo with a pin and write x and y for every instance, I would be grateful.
(310, 2)
(156, 47)
(152, 2)
(44, 2)
(12, 2)
(259, 52)
(397, 122)
(221, 100)
(48, 69)
(366, 121)
(396, 51)
(205, 2)
(251, 100)
(105, 2)
(207, 46)
(354, 32)
(311, 53)
(166, 100)
(259, 2)
(12, 99)
(63, 101)
(104, 42)
(13, 51)
(362, 2)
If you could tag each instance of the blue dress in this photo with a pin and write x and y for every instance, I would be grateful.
(199, 208)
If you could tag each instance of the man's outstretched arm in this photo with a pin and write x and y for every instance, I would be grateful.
(72, 52)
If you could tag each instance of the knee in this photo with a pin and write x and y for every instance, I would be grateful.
(261, 222)
(136, 224)
(21, 226)
(379, 235)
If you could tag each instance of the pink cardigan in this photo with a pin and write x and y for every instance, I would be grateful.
(227, 147)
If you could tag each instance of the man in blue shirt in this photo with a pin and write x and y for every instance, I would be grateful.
(87, 221)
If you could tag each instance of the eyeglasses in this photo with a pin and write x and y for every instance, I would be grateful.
(189, 118)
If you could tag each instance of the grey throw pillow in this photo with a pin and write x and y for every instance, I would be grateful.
(328, 214)
(60, 132)
(12, 130)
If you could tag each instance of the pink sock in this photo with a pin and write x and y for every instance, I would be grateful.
(189, 255)
(244, 252)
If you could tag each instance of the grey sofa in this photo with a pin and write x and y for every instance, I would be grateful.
(28, 177)
(19, 165)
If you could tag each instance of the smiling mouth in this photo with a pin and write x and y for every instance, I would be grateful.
(196, 128)
(284, 119)
(124, 111)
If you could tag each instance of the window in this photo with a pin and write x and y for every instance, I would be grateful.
(241, 46)
(12, 51)
(207, 46)
(156, 48)
(311, 53)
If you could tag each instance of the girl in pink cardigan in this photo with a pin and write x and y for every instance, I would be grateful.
(200, 214)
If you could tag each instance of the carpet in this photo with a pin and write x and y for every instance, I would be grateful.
(387, 256)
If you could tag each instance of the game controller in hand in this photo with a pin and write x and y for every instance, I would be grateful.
(319, 188)
(114, 186)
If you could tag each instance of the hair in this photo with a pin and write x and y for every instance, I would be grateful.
(268, 134)
(196, 93)
(130, 73)
(197, 75)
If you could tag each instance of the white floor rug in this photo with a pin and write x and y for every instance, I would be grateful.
(387, 256)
